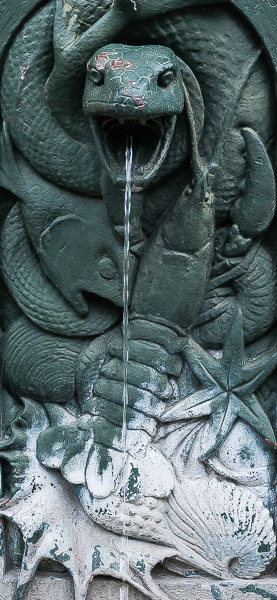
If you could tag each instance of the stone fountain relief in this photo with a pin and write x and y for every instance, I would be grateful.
(138, 291)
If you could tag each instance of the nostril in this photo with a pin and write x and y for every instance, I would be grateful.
(166, 78)
(96, 76)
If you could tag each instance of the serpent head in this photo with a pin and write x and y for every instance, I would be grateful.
(138, 92)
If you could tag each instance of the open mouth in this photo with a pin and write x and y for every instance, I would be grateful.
(150, 140)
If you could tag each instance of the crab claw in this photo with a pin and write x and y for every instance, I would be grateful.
(176, 265)
(254, 210)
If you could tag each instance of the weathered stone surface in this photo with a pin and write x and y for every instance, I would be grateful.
(53, 586)
(138, 304)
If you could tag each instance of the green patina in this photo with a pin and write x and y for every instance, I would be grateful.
(62, 557)
(241, 531)
(2, 542)
(253, 589)
(132, 488)
(245, 453)
(216, 593)
(96, 559)
(21, 591)
(141, 565)
(37, 534)
(264, 547)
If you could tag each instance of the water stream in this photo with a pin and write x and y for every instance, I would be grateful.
(124, 563)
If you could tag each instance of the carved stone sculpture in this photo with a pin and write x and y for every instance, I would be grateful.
(139, 293)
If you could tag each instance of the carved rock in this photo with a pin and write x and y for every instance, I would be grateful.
(138, 299)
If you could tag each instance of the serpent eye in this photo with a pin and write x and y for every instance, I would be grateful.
(97, 77)
(166, 78)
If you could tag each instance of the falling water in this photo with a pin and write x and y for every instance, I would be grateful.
(1, 437)
(126, 300)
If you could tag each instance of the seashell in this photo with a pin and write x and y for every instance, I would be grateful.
(225, 524)
(141, 519)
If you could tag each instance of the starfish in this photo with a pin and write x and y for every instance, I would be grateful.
(228, 387)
